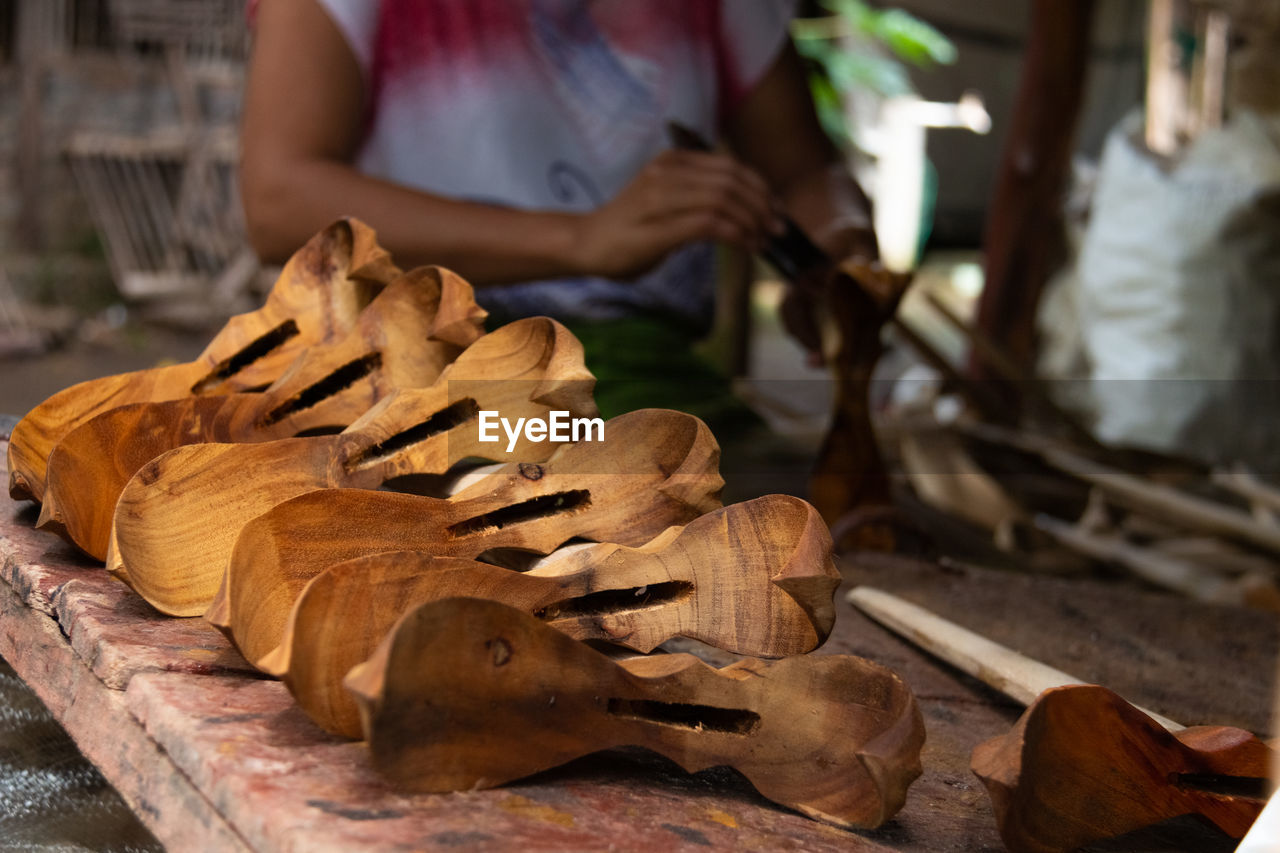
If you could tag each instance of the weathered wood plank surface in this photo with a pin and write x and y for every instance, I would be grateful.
(214, 757)
(100, 723)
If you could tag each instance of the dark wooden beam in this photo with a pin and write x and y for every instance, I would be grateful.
(1023, 240)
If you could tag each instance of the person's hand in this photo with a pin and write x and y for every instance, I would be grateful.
(799, 316)
(854, 243)
(677, 198)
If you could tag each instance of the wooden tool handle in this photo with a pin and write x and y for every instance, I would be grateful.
(723, 580)
(467, 694)
(655, 468)
(1017, 676)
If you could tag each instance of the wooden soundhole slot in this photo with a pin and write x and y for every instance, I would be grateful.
(442, 421)
(544, 506)
(1221, 786)
(610, 602)
(253, 351)
(335, 383)
(698, 718)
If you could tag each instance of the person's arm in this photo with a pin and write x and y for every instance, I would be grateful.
(303, 112)
(776, 131)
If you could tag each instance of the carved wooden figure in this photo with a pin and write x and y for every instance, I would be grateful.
(754, 578)
(849, 472)
(655, 468)
(316, 299)
(177, 519)
(1082, 765)
(403, 339)
(466, 694)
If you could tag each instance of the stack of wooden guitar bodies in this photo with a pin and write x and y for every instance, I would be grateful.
(309, 485)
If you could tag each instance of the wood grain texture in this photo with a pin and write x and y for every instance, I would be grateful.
(316, 299)
(754, 578)
(849, 472)
(177, 519)
(467, 694)
(1082, 765)
(655, 468)
(139, 770)
(403, 339)
(1023, 237)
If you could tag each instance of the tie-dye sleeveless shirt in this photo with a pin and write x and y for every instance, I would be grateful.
(555, 105)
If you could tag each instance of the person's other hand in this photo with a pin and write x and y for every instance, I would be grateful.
(679, 197)
(807, 300)
(799, 315)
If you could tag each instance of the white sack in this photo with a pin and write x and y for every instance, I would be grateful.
(1179, 283)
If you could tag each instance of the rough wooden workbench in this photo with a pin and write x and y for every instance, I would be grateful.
(213, 757)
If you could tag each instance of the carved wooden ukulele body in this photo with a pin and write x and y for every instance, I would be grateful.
(1082, 765)
(656, 468)
(177, 519)
(403, 339)
(316, 300)
(466, 694)
(755, 578)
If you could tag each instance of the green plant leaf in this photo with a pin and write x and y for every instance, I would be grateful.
(859, 16)
(882, 75)
(913, 40)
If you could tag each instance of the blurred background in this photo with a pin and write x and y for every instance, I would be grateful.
(1088, 194)
(979, 128)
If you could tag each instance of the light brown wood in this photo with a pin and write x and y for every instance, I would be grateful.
(1158, 502)
(403, 339)
(1015, 675)
(849, 473)
(1197, 581)
(754, 578)
(467, 694)
(655, 468)
(1026, 387)
(177, 519)
(1164, 503)
(944, 475)
(315, 300)
(1082, 765)
(1264, 497)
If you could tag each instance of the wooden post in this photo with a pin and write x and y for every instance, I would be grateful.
(1023, 233)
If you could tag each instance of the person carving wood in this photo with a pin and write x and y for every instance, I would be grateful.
(523, 144)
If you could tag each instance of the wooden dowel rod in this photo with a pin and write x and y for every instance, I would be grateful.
(973, 391)
(1246, 484)
(1007, 369)
(1164, 503)
(1198, 582)
(1160, 502)
(1017, 676)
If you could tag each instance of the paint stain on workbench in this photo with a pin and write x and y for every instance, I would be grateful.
(689, 834)
(350, 813)
(524, 807)
(722, 818)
